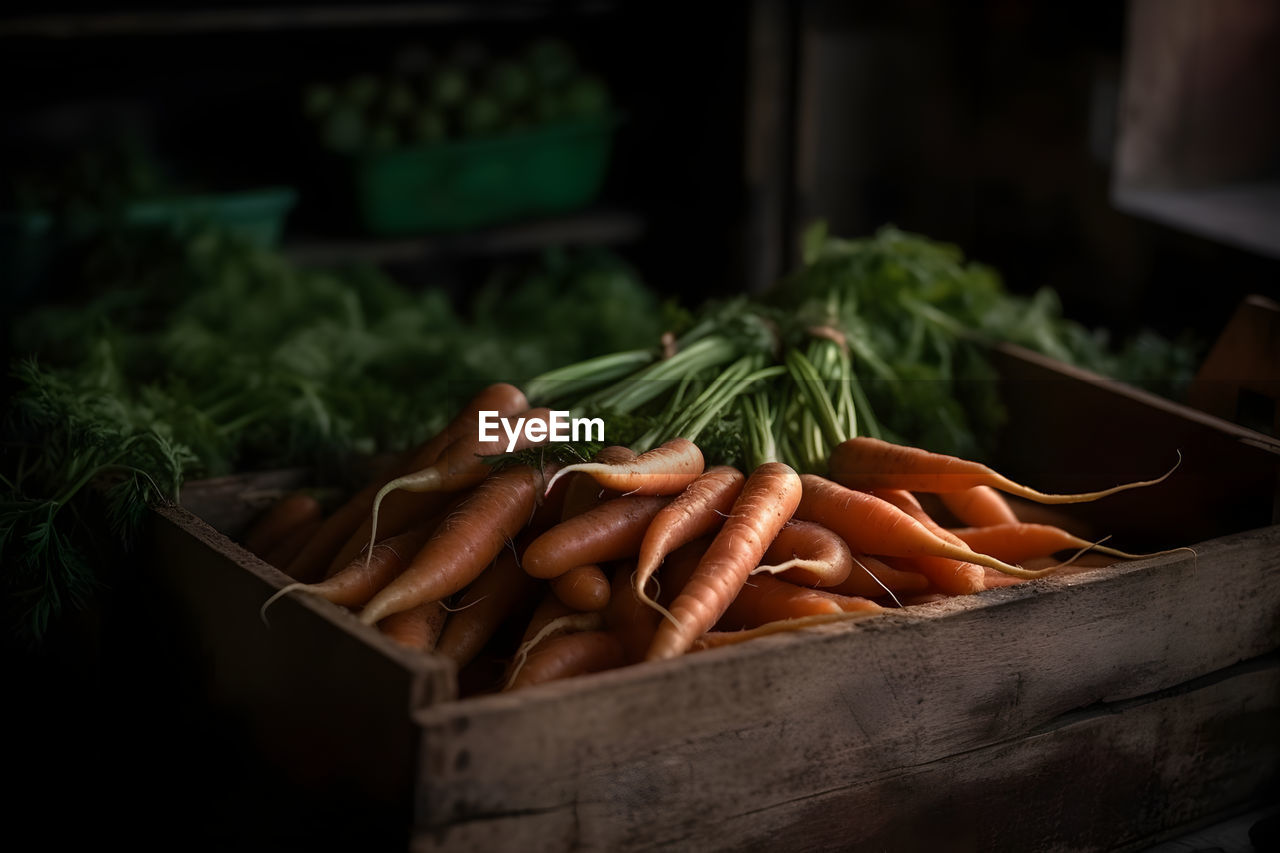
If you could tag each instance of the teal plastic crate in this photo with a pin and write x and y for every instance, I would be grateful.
(30, 242)
(461, 184)
(257, 214)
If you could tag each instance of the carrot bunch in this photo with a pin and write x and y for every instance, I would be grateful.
(551, 570)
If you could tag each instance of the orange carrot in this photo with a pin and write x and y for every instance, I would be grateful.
(310, 563)
(807, 554)
(1021, 541)
(582, 588)
(461, 466)
(552, 618)
(1079, 563)
(582, 492)
(869, 463)
(289, 547)
(464, 544)
(979, 506)
(719, 639)
(567, 655)
(288, 514)
(343, 525)
(698, 510)
(767, 599)
(631, 620)
(610, 531)
(955, 577)
(872, 578)
(664, 470)
(418, 627)
(361, 580)
(873, 526)
(767, 502)
(549, 609)
(499, 592)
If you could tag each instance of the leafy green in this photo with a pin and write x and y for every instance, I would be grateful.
(207, 355)
(63, 434)
(883, 336)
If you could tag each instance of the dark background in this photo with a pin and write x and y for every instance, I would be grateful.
(991, 124)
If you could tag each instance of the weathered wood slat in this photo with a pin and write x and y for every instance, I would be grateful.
(648, 754)
(1071, 430)
(319, 695)
(229, 504)
(1112, 777)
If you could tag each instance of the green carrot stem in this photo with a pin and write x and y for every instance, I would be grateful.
(713, 411)
(811, 386)
(577, 378)
(651, 382)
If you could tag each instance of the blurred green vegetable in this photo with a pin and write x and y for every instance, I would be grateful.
(472, 93)
(207, 355)
(552, 62)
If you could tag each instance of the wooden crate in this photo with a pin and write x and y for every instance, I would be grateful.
(1101, 710)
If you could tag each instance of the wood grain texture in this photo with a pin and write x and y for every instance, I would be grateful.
(679, 752)
(230, 504)
(1073, 431)
(322, 698)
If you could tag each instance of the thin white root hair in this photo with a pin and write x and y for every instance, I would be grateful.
(570, 623)
(287, 588)
(872, 575)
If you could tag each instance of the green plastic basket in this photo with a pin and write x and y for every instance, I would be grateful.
(472, 183)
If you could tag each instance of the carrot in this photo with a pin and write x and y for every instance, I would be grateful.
(874, 526)
(582, 588)
(582, 492)
(274, 525)
(807, 554)
(315, 556)
(464, 544)
(767, 599)
(497, 594)
(552, 618)
(719, 639)
(664, 470)
(870, 463)
(696, 511)
(549, 610)
(287, 548)
(610, 531)
(979, 506)
(461, 466)
(340, 527)
(1021, 541)
(1078, 563)
(872, 578)
(628, 617)
(361, 580)
(767, 502)
(954, 577)
(418, 627)
(567, 655)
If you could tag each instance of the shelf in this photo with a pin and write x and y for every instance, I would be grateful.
(1242, 215)
(597, 227)
(193, 21)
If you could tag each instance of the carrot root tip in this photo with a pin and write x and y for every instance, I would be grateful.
(277, 595)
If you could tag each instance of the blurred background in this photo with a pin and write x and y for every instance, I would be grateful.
(1123, 153)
